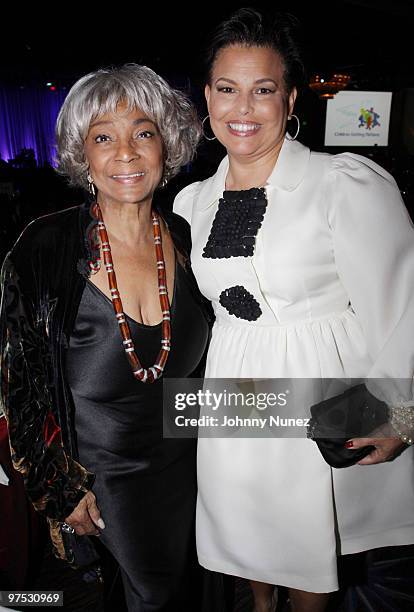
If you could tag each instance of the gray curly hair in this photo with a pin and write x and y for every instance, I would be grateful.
(139, 87)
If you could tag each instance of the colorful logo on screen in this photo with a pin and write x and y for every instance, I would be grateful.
(368, 119)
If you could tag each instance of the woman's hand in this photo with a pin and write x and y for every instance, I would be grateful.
(86, 517)
(385, 449)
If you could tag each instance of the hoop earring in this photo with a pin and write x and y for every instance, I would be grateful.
(91, 185)
(204, 134)
(288, 136)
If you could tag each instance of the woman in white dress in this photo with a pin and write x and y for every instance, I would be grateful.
(324, 289)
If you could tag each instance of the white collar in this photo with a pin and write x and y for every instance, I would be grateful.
(288, 173)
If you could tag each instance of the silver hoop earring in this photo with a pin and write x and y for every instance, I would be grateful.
(91, 185)
(204, 134)
(288, 136)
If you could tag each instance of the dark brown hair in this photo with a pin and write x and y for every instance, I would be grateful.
(247, 27)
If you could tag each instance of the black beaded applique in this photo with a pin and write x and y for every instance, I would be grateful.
(235, 226)
(240, 303)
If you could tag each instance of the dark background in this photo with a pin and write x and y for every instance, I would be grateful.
(371, 39)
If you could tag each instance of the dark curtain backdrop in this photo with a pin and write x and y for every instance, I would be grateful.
(27, 120)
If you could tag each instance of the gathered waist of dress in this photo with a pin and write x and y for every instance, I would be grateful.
(224, 322)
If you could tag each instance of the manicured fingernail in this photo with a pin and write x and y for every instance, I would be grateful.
(101, 524)
(349, 444)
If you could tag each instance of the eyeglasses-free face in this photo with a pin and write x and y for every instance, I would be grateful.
(125, 155)
(247, 101)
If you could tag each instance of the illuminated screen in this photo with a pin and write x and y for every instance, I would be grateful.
(358, 118)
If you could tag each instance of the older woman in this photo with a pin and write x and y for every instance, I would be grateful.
(98, 303)
(284, 240)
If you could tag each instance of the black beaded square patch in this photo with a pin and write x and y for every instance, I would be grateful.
(235, 226)
(240, 303)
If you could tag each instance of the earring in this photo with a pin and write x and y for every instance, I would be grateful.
(288, 136)
(204, 134)
(165, 178)
(91, 185)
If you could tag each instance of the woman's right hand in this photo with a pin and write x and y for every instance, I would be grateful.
(86, 517)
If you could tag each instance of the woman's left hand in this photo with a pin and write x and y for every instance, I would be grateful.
(385, 449)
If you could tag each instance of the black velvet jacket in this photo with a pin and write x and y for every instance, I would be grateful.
(42, 279)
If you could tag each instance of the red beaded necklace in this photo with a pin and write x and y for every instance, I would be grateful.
(144, 374)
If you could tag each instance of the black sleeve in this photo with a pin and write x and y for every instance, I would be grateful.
(54, 482)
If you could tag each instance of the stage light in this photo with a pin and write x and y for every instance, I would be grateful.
(328, 88)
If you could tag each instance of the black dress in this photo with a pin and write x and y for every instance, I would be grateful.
(145, 485)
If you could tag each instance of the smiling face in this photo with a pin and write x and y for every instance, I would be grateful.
(125, 155)
(247, 101)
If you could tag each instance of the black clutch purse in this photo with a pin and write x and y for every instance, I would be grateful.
(356, 413)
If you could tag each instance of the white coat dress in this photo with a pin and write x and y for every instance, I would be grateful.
(333, 272)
